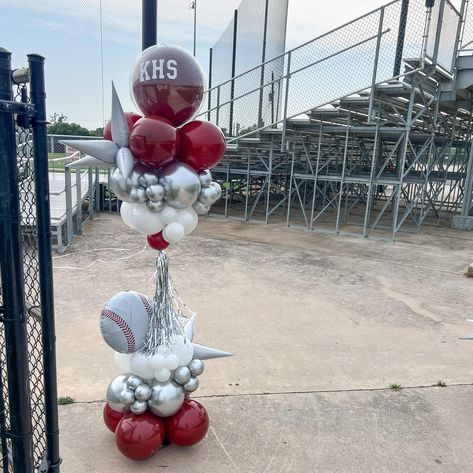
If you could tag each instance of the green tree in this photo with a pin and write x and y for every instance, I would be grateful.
(60, 126)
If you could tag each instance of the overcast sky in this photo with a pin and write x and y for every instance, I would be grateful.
(67, 33)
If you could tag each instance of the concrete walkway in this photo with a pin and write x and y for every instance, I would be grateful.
(321, 327)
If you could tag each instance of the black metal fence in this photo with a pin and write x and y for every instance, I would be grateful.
(28, 394)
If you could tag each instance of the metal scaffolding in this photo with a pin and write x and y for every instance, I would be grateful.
(370, 132)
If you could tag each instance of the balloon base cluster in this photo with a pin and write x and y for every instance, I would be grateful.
(139, 437)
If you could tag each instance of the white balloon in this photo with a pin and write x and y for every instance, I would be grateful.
(162, 375)
(157, 362)
(172, 362)
(168, 215)
(185, 353)
(122, 360)
(146, 222)
(188, 218)
(139, 365)
(126, 211)
(173, 232)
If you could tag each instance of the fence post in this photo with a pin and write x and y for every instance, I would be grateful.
(232, 89)
(79, 202)
(439, 32)
(263, 59)
(401, 37)
(40, 150)
(376, 61)
(286, 98)
(209, 98)
(13, 309)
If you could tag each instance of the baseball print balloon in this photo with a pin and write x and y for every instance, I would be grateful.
(124, 321)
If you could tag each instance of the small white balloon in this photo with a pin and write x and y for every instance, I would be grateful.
(188, 218)
(157, 362)
(172, 362)
(139, 365)
(122, 360)
(168, 215)
(184, 350)
(173, 232)
(146, 222)
(126, 211)
(162, 375)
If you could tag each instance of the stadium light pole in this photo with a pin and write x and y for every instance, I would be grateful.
(193, 6)
(149, 23)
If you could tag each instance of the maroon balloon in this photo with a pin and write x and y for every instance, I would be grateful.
(188, 425)
(131, 119)
(139, 437)
(154, 141)
(157, 241)
(169, 82)
(111, 417)
(202, 144)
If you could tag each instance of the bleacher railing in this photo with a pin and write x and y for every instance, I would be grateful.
(349, 59)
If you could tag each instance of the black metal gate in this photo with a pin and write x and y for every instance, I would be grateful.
(28, 392)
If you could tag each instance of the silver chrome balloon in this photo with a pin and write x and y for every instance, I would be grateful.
(119, 185)
(182, 374)
(143, 392)
(191, 385)
(218, 189)
(155, 206)
(155, 192)
(166, 398)
(134, 381)
(196, 367)
(114, 390)
(139, 407)
(138, 195)
(181, 184)
(125, 161)
(205, 178)
(208, 195)
(201, 208)
(147, 179)
(127, 396)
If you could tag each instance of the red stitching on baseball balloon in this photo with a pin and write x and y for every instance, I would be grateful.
(130, 339)
(145, 302)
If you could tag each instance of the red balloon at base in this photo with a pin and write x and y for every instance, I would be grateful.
(188, 425)
(111, 417)
(139, 437)
(157, 241)
(131, 119)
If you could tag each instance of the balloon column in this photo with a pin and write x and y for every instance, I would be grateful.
(160, 170)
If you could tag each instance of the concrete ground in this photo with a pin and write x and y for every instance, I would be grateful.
(321, 327)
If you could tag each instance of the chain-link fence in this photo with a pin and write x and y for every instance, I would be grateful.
(369, 50)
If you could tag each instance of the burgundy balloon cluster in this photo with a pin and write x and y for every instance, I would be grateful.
(139, 437)
(167, 84)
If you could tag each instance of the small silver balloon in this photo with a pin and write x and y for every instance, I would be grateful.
(134, 177)
(134, 381)
(208, 195)
(147, 179)
(138, 195)
(139, 407)
(143, 392)
(182, 374)
(217, 188)
(181, 184)
(114, 390)
(155, 206)
(191, 385)
(166, 398)
(201, 208)
(205, 178)
(119, 186)
(196, 367)
(155, 192)
(127, 396)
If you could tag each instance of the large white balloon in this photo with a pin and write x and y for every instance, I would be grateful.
(139, 365)
(173, 232)
(188, 218)
(145, 221)
(126, 211)
(168, 215)
(122, 360)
